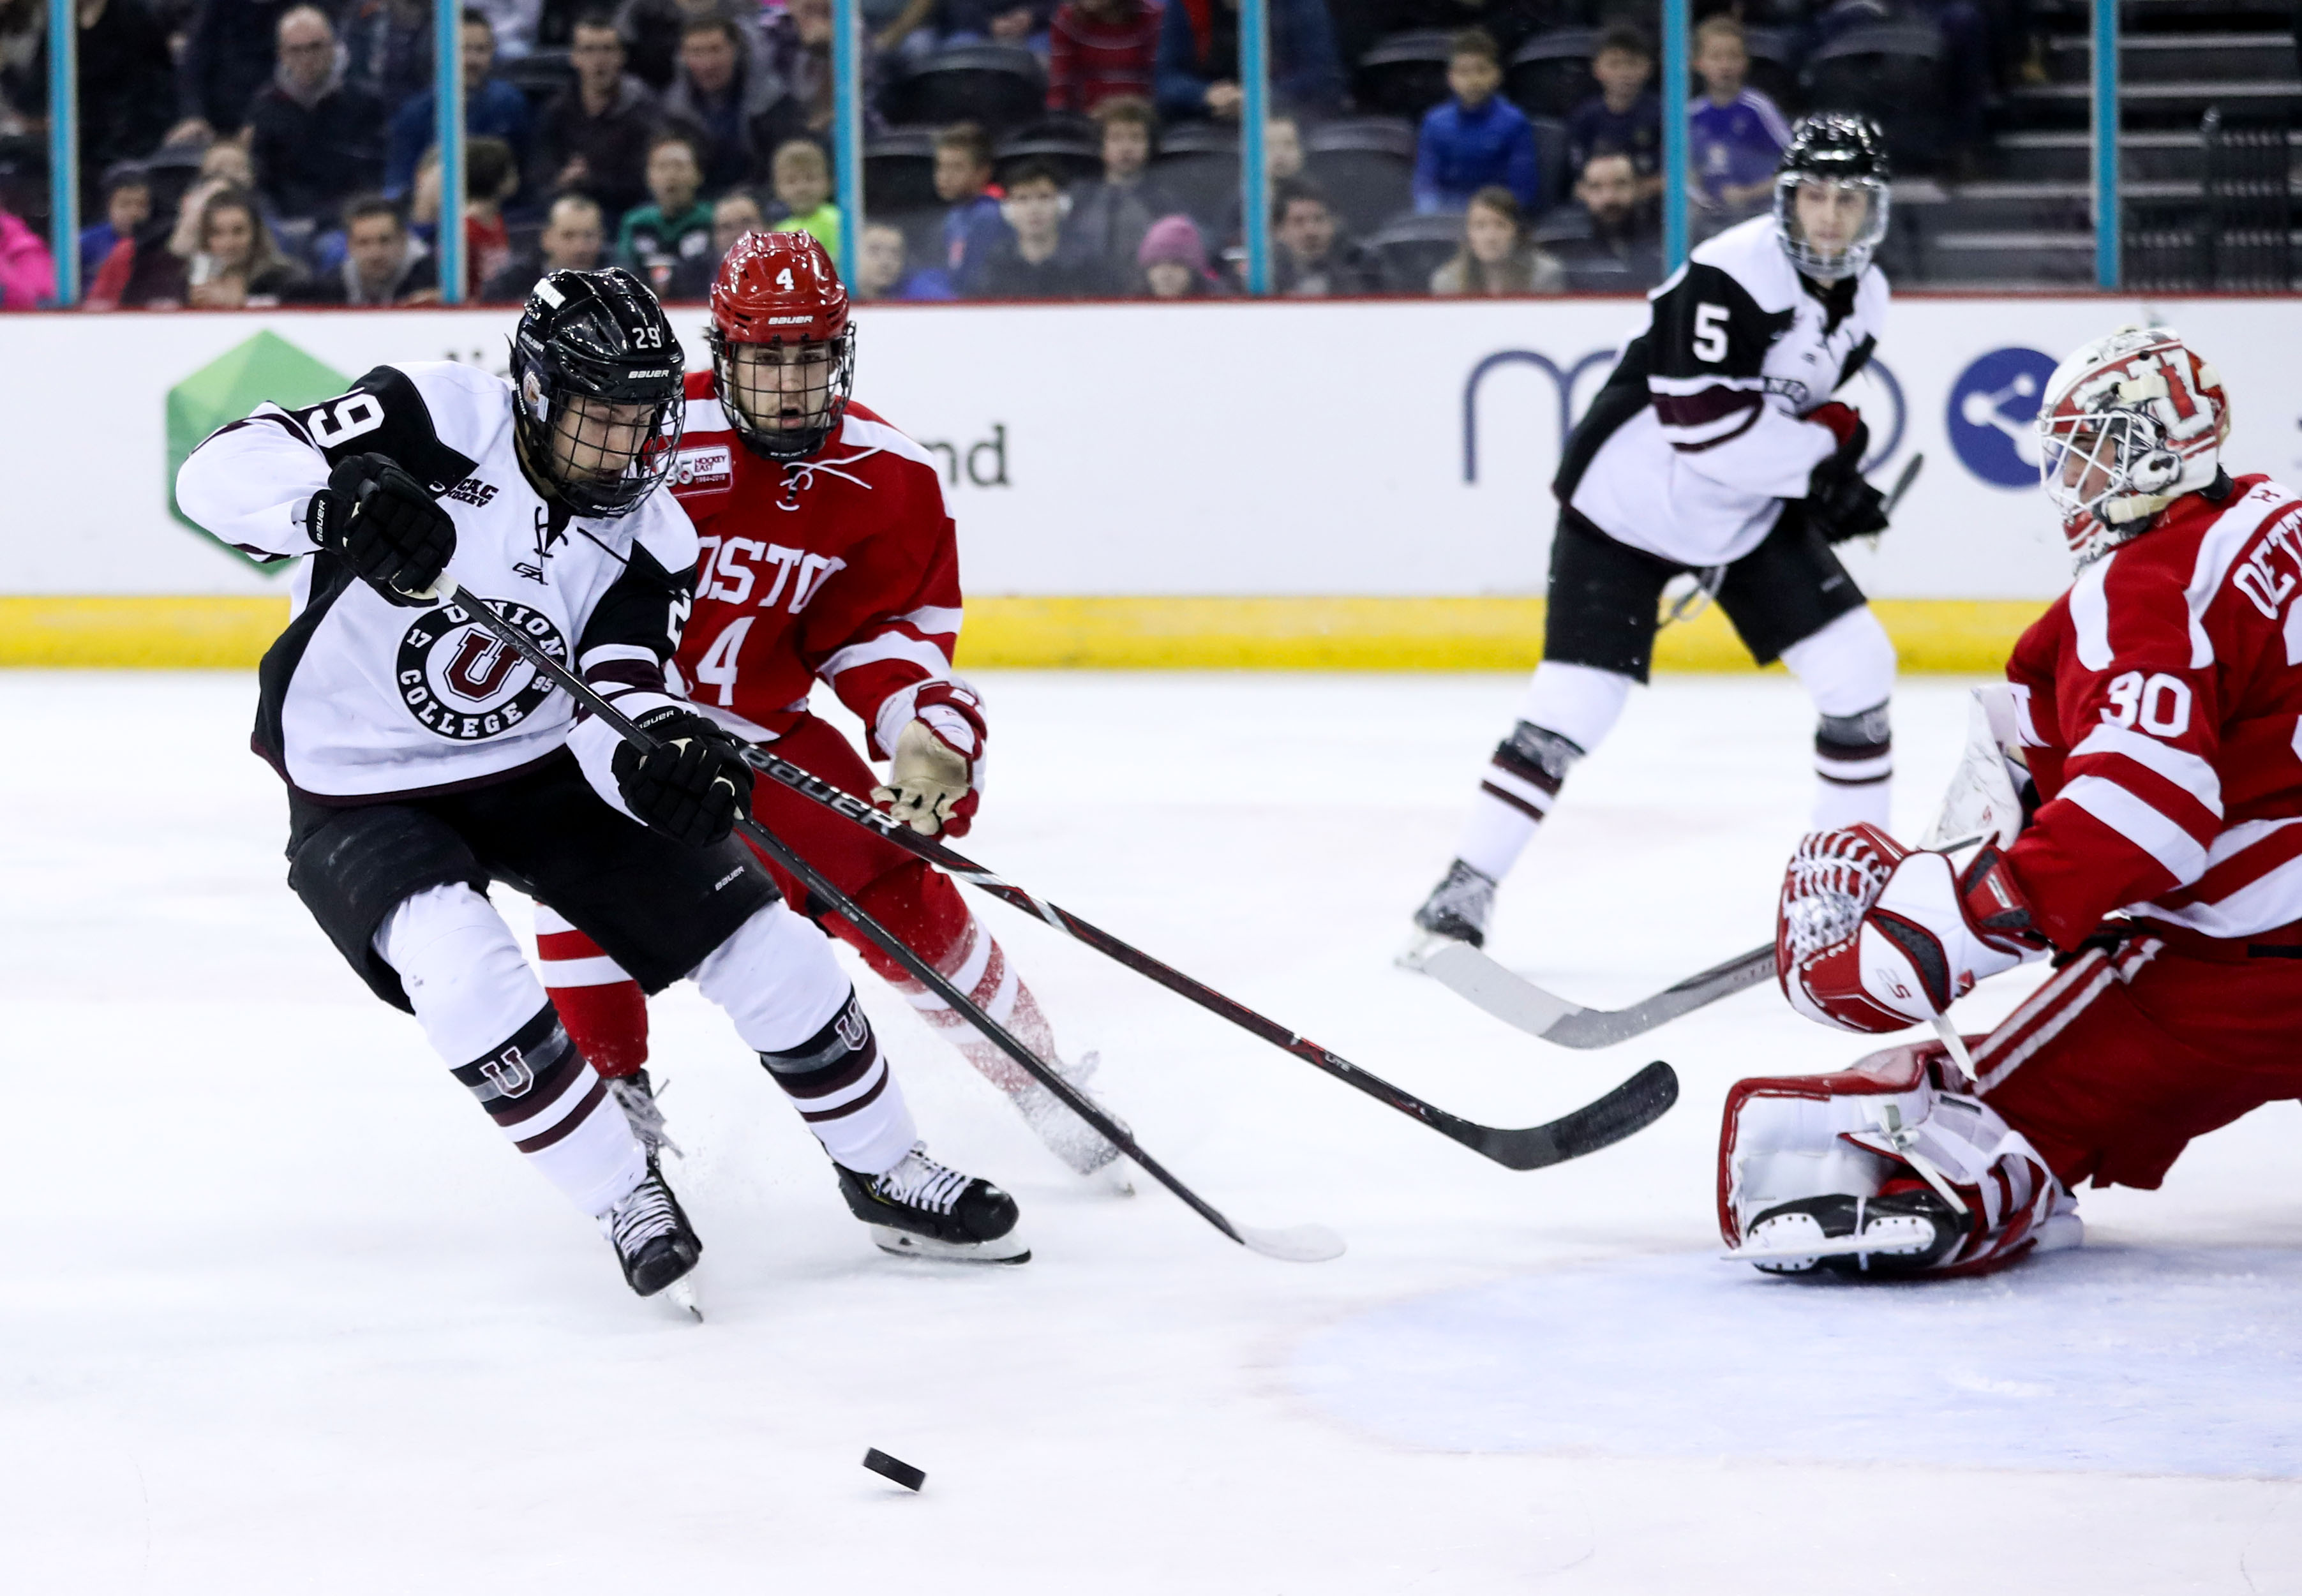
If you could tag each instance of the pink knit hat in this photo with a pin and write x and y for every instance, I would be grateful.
(1173, 238)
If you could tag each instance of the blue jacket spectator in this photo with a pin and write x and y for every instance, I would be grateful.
(1734, 134)
(1477, 140)
(1197, 75)
(492, 109)
(1624, 114)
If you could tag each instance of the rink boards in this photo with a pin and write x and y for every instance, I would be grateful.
(1353, 485)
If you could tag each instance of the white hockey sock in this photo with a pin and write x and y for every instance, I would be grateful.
(777, 981)
(482, 1011)
(1848, 670)
(1568, 712)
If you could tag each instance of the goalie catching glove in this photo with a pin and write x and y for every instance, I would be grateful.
(392, 534)
(1871, 937)
(691, 784)
(931, 773)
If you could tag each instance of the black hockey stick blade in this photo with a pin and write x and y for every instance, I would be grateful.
(1902, 484)
(1302, 1244)
(1518, 1002)
(1627, 1110)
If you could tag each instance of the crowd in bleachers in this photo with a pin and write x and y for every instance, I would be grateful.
(248, 152)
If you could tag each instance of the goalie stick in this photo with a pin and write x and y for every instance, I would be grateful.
(1632, 1106)
(1515, 1001)
(1302, 1244)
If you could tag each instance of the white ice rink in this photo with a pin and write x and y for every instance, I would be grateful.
(281, 1312)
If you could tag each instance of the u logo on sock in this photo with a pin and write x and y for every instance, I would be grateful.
(510, 1073)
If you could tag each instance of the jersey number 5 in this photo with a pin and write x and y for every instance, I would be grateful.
(1709, 333)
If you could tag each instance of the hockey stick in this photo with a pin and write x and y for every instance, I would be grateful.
(1515, 1001)
(1902, 484)
(1630, 1107)
(1302, 1244)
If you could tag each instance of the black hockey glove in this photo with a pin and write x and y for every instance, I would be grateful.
(691, 784)
(1840, 502)
(391, 531)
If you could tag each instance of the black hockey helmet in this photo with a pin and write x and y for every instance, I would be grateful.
(1841, 150)
(597, 336)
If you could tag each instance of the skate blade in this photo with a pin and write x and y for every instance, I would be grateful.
(681, 1298)
(1006, 1249)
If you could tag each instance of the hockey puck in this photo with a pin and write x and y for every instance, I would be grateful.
(894, 1468)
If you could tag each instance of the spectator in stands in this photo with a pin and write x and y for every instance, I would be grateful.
(1624, 114)
(962, 180)
(1313, 259)
(657, 237)
(996, 21)
(315, 138)
(1496, 256)
(573, 239)
(1198, 59)
(384, 262)
(1617, 248)
(796, 48)
(1283, 148)
(23, 78)
(732, 215)
(1028, 260)
(127, 207)
(1734, 133)
(491, 179)
(1477, 140)
(492, 109)
(227, 161)
(127, 82)
(1109, 218)
(725, 98)
(228, 56)
(27, 272)
(1099, 50)
(390, 43)
(237, 265)
(881, 272)
(594, 137)
(1172, 261)
(802, 178)
(514, 23)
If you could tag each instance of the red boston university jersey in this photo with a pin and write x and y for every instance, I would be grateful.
(2161, 709)
(843, 567)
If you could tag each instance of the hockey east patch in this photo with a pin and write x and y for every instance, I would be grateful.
(711, 468)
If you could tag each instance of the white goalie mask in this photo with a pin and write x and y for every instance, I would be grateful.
(2127, 426)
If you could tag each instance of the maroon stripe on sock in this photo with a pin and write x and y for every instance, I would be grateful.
(1514, 799)
(567, 1127)
(845, 1109)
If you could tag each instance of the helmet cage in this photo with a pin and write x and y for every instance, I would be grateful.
(743, 399)
(570, 363)
(2120, 455)
(1855, 258)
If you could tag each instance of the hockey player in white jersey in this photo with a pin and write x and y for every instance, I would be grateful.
(1715, 449)
(425, 759)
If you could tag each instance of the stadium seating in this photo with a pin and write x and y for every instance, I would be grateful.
(1365, 165)
(1001, 87)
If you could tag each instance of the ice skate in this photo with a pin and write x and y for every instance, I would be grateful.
(636, 1095)
(921, 1209)
(1457, 910)
(653, 1241)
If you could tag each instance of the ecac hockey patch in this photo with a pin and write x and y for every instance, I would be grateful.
(462, 682)
(704, 470)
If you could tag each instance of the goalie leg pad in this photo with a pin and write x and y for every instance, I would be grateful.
(1907, 1174)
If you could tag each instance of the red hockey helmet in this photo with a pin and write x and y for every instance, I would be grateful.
(2127, 426)
(781, 344)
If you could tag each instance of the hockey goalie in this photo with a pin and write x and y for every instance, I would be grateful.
(2136, 783)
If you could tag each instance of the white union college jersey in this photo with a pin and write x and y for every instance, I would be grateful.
(361, 698)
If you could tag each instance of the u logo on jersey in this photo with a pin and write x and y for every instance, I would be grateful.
(462, 682)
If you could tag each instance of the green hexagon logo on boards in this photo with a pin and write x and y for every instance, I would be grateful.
(266, 367)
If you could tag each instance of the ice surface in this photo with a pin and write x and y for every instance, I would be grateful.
(281, 1312)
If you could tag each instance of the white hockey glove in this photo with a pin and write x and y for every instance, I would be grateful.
(931, 776)
(1985, 798)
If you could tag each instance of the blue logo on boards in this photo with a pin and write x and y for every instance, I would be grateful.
(1991, 407)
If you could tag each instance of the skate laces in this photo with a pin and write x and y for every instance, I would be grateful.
(1832, 880)
(1464, 893)
(635, 1096)
(642, 1216)
(920, 1182)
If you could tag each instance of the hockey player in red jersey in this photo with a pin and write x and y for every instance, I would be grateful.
(828, 554)
(2140, 781)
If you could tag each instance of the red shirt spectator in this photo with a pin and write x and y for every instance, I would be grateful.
(1098, 48)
